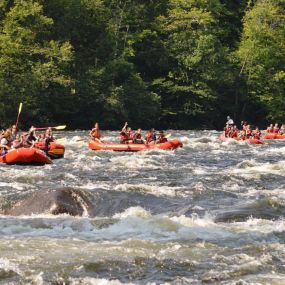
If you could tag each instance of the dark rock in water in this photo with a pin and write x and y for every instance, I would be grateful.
(55, 201)
(268, 209)
(97, 203)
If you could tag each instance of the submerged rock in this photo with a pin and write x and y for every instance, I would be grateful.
(54, 201)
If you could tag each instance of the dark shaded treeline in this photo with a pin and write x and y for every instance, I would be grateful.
(163, 63)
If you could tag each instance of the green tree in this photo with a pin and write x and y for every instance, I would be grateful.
(32, 64)
(191, 33)
(262, 55)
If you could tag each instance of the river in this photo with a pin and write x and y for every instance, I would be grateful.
(207, 213)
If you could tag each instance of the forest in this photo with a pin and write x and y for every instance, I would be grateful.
(179, 64)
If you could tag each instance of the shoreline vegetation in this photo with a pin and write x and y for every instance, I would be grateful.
(167, 64)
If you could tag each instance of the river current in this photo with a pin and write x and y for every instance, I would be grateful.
(207, 213)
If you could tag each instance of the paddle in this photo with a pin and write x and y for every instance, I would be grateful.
(19, 111)
(62, 127)
(168, 136)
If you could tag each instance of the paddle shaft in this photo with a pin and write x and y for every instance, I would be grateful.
(18, 116)
(54, 128)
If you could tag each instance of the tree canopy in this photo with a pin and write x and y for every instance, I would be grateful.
(163, 63)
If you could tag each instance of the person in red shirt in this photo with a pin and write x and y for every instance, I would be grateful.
(161, 137)
(256, 134)
(233, 132)
(275, 129)
(270, 129)
(150, 136)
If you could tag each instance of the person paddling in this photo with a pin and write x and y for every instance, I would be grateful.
(270, 129)
(14, 132)
(48, 138)
(161, 138)
(31, 137)
(256, 134)
(18, 142)
(138, 137)
(95, 133)
(5, 142)
(282, 130)
(150, 137)
(276, 128)
(125, 134)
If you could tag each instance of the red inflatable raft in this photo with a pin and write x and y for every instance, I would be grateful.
(96, 145)
(55, 150)
(272, 136)
(31, 156)
(253, 141)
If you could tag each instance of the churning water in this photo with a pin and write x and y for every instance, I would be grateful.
(208, 213)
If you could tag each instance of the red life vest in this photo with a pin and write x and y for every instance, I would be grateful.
(123, 137)
(149, 137)
(270, 129)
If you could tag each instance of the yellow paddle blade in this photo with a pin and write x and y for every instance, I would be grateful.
(20, 108)
(168, 136)
(61, 141)
(59, 127)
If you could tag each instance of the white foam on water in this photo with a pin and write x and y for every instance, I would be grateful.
(134, 222)
(249, 267)
(185, 140)
(98, 281)
(136, 162)
(258, 226)
(275, 150)
(157, 190)
(17, 186)
(133, 212)
(251, 167)
(7, 265)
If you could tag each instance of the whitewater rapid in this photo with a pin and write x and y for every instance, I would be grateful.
(208, 213)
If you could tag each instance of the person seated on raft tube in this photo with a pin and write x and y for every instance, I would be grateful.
(270, 129)
(150, 137)
(95, 133)
(18, 142)
(126, 134)
(275, 129)
(5, 142)
(245, 126)
(31, 137)
(6, 138)
(233, 132)
(137, 138)
(282, 130)
(14, 132)
(256, 134)
(248, 132)
(48, 138)
(242, 135)
(161, 138)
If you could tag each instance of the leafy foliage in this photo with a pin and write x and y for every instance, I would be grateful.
(163, 63)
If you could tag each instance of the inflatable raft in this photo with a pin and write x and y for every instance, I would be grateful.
(253, 141)
(272, 136)
(55, 150)
(30, 156)
(96, 145)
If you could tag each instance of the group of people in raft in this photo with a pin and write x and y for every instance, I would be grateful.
(128, 136)
(11, 139)
(232, 131)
